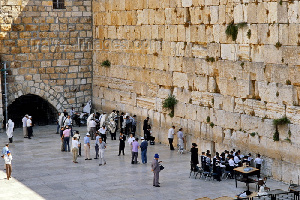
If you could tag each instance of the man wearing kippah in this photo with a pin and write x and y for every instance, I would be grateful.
(156, 169)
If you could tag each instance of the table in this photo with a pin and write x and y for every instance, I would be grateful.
(246, 173)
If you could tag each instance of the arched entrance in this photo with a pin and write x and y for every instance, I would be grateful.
(42, 112)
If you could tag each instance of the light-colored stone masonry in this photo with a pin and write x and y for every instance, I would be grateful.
(159, 47)
(47, 51)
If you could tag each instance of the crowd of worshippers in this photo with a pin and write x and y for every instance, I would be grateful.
(224, 162)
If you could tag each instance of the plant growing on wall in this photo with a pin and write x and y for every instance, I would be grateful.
(232, 30)
(280, 121)
(106, 63)
(169, 103)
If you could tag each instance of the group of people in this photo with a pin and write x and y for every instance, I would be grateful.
(224, 162)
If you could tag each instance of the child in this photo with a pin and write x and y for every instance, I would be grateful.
(7, 159)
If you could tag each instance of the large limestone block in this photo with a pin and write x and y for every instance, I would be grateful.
(202, 114)
(273, 12)
(220, 118)
(287, 95)
(293, 113)
(238, 13)
(229, 51)
(180, 79)
(242, 139)
(187, 3)
(214, 14)
(283, 34)
(262, 16)
(191, 111)
(275, 110)
(293, 14)
(252, 13)
(217, 134)
(200, 83)
(291, 55)
(266, 128)
(250, 123)
(182, 95)
(232, 120)
(282, 12)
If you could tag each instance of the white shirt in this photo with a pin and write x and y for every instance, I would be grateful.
(236, 159)
(130, 140)
(24, 120)
(231, 163)
(75, 144)
(29, 122)
(171, 133)
(92, 124)
(258, 161)
(102, 131)
(7, 159)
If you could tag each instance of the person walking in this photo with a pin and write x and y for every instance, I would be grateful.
(9, 130)
(4, 152)
(75, 146)
(102, 147)
(144, 146)
(68, 122)
(171, 137)
(24, 122)
(135, 146)
(29, 127)
(87, 146)
(155, 169)
(122, 139)
(7, 159)
(66, 137)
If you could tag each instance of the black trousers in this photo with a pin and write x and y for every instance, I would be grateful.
(113, 135)
(103, 136)
(258, 166)
(171, 143)
(29, 129)
(121, 148)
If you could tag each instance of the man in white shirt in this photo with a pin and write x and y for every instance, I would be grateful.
(29, 127)
(24, 122)
(171, 137)
(102, 132)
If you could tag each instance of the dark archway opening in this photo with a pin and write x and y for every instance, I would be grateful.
(42, 112)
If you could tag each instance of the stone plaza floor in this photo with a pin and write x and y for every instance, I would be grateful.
(41, 171)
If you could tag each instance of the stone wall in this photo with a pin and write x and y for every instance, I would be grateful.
(226, 89)
(47, 50)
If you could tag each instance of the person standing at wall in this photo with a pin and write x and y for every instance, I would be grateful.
(29, 127)
(133, 125)
(180, 140)
(258, 162)
(144, 146)
(145, 127)
(97, 145)
(92, 131)
(171, 137)
(155, 169)
(112, 129)
(9, 130)
(24, 122)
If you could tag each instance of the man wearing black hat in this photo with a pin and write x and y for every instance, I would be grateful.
(194, 157)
